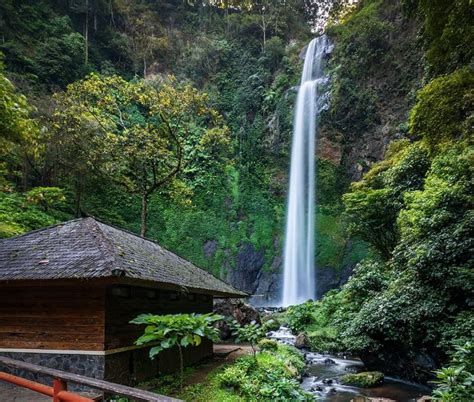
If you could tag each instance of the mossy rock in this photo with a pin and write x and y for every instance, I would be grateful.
(365, 379)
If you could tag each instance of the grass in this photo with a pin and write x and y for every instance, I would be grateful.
(272, 374)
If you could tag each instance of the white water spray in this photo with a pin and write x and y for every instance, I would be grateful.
(299, 274)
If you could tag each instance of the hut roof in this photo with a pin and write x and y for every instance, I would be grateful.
(87, 249)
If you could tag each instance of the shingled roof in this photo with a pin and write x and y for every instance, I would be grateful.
(86, 249)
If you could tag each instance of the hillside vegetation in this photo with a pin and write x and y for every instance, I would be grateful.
(173, 119)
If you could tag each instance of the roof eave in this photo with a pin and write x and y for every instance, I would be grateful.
(122, 280)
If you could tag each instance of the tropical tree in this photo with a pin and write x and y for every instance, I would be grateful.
(138, 133)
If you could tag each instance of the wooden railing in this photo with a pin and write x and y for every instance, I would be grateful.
(59, 391)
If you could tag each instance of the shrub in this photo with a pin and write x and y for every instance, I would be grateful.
(271, 324)
(301, 316)
(250, 333)
(271, 376)
(268, 345)
(444, 107)
(456, 381)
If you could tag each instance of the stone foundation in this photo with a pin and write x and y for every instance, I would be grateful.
(87, 365)
(126, 367)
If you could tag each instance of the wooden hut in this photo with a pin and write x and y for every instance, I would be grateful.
(68, 292)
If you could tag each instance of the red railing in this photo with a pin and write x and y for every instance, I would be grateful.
(59, 391)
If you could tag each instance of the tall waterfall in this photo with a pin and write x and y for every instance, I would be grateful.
(299, 273)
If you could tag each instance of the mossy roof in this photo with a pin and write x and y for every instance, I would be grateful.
(86, 248)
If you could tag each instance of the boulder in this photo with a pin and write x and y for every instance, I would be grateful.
(365, 379)
(235, 309)
(301, 341)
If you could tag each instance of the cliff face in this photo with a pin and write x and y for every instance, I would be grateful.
(375, 68)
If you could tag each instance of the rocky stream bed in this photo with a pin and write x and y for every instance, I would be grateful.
(323, 373)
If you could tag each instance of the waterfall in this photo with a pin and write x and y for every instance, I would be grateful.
(299, 272)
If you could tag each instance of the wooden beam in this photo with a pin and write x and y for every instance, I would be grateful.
(105, 386)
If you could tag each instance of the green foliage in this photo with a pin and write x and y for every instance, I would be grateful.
(456, 381)
(270, 323)
(363, 39)
(268, 345)
(421, 280)
(449, 33)
(272, 376)
(46, 197)
(300, 316)
(15, 122)
(41, 43)
(141, 133)
(251, 333)
(373, 204)
(176, 330)
(18, 216)
(444, 108)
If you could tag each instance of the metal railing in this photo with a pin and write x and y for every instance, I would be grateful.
(58, 390)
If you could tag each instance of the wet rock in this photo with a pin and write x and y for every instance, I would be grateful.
(236, 309)
(329, 361)
(365, 379)
(316, 389)
(248, 268)
(210, 248)
(301, 341)
(327, 381)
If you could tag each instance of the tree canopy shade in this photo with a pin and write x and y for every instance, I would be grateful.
(138, 133)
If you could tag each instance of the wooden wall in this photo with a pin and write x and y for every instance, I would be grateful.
(52, 317)
(125, 303)
(90, 318)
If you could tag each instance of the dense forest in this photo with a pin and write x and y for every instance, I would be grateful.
(173, 119)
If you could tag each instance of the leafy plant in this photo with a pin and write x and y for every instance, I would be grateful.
(455, 383)
(46, 197)
(271, 375)
(176, 330)
(250, 333)
(300, 316)
(268, 345)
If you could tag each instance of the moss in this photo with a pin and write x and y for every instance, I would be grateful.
(444, 108)
(366, 379)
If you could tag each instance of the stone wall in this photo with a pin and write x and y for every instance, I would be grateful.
(87, 365)
(129, 367)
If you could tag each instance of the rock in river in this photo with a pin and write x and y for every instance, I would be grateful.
(365, 379)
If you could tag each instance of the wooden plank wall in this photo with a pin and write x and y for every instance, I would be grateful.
(120, 309)
(52, 317)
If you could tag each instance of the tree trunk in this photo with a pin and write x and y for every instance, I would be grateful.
(86, 35)
(79, 190)
(181, 367)
(144, 228)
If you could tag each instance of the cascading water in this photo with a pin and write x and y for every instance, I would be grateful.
(299, 274)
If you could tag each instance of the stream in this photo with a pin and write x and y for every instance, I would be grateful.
(323, 371)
